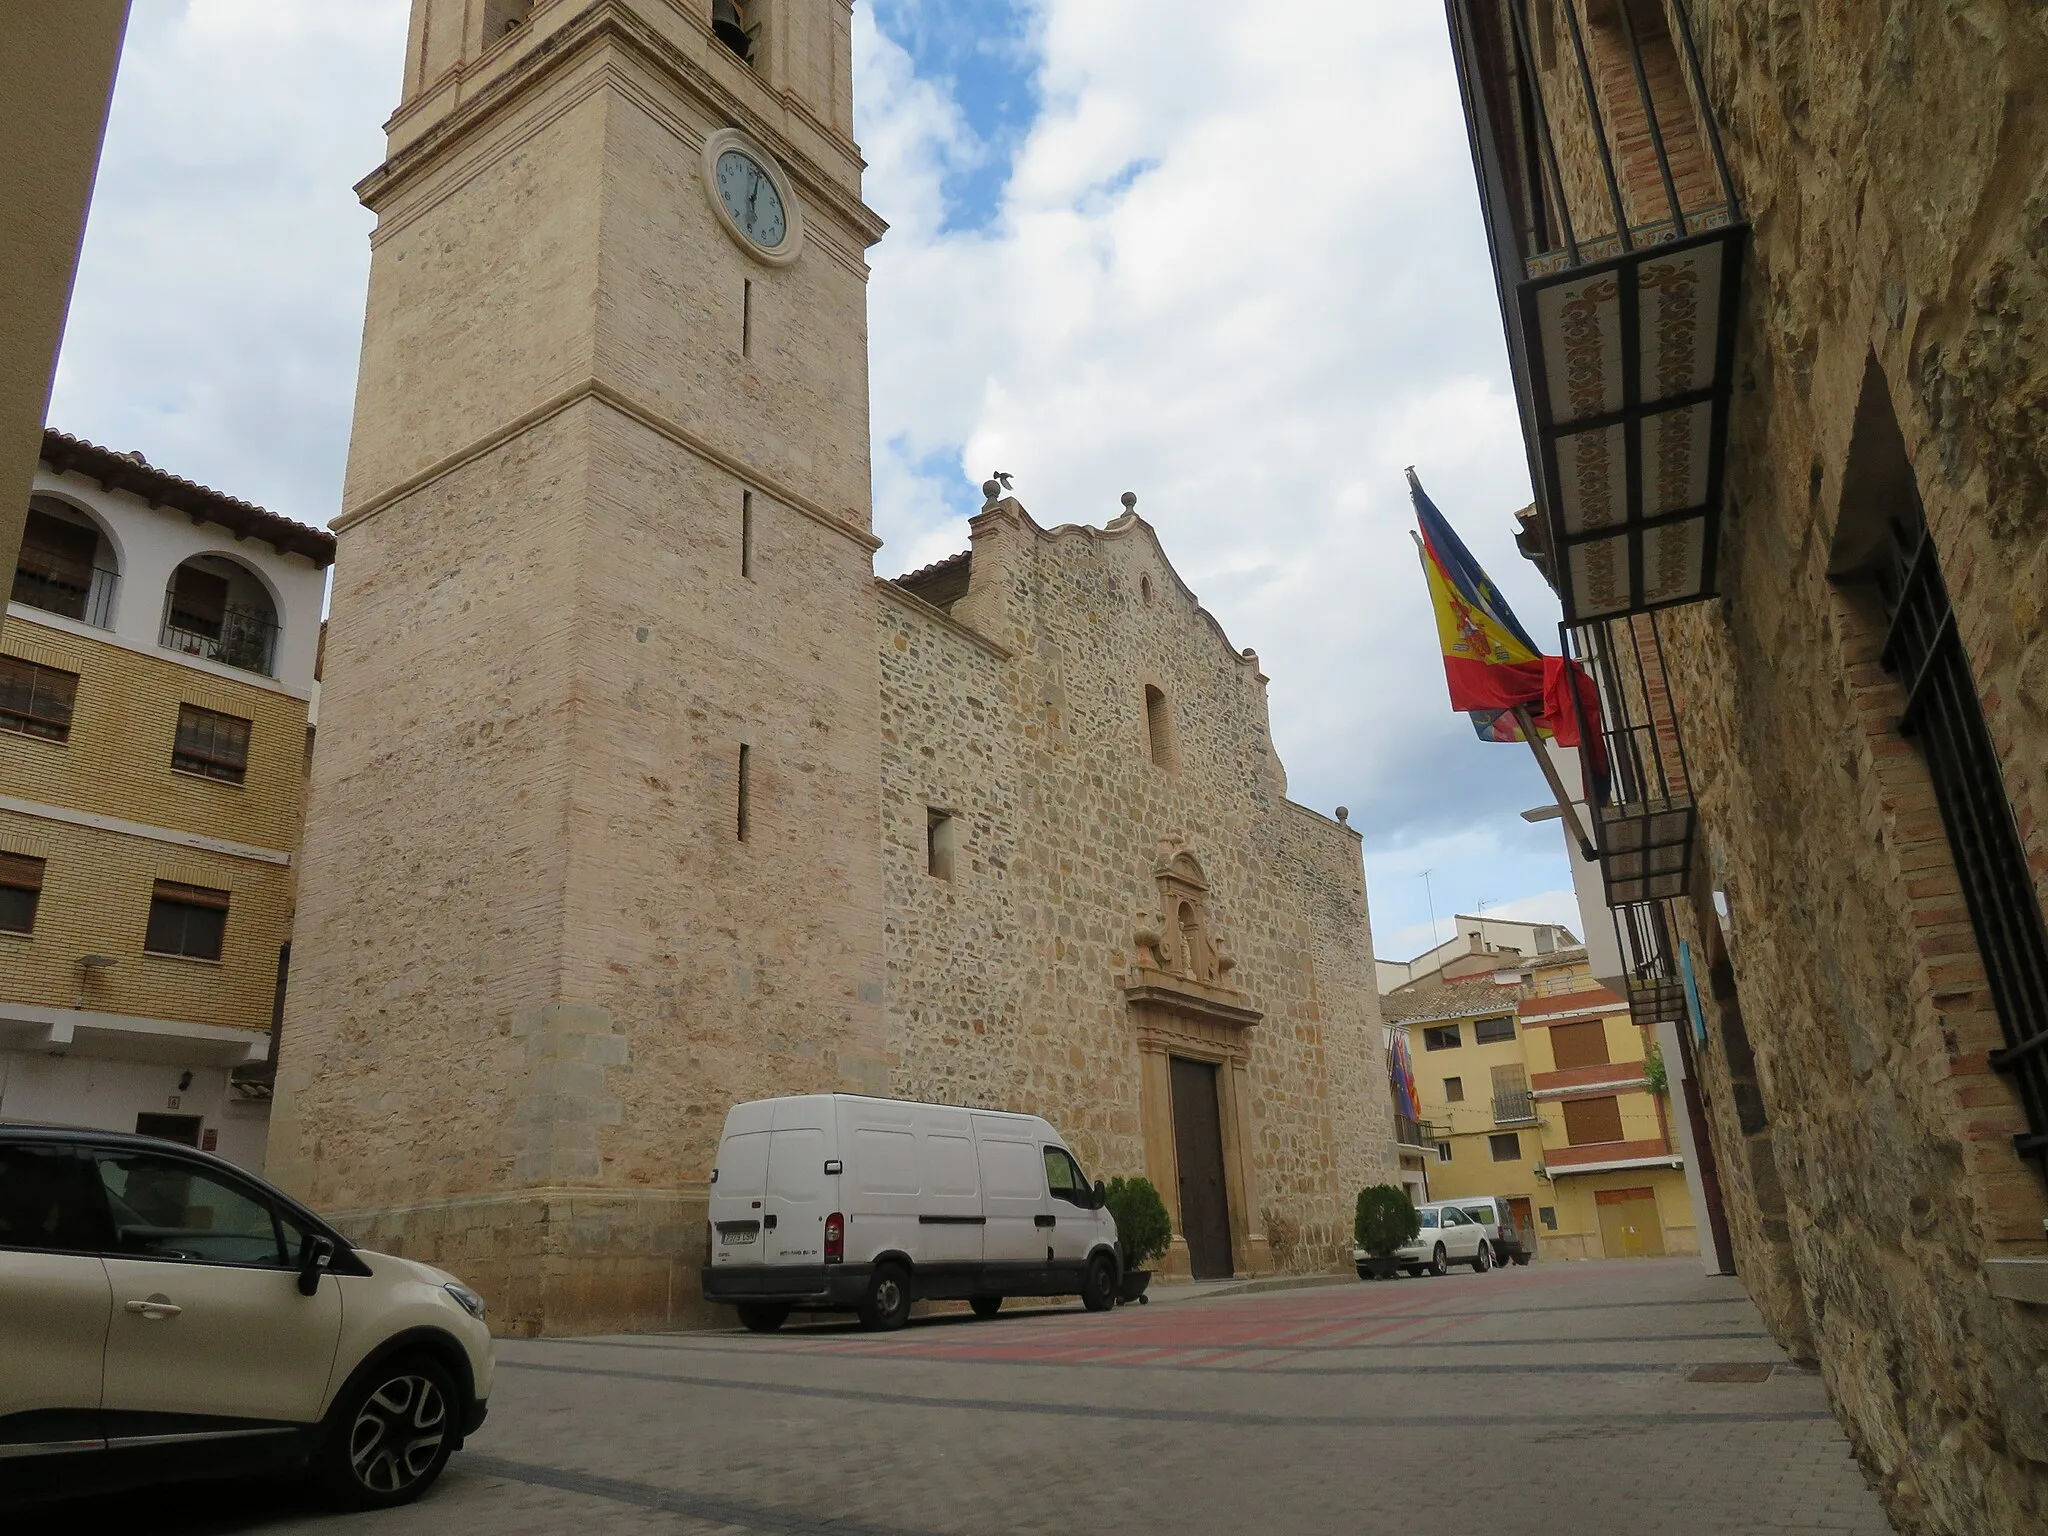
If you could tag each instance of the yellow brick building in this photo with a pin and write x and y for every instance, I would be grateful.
(157, 665)
(1541, 1089)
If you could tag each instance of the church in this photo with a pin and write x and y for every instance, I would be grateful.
(638, 794)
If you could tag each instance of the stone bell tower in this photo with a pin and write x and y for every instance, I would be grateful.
(593, 844)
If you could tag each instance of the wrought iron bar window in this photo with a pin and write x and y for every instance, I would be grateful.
(1944, 716)
(1656, 989)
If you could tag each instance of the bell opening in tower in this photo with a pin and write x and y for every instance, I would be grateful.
(729, 20)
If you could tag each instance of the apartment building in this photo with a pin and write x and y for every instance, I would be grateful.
(1538, 1085)
(157, 674)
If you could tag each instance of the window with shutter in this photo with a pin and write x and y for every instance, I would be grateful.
(1587, 1121)
(1579, 1045)
(21, 888)
(189, 921)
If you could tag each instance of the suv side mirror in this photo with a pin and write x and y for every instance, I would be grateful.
(1101, 1194)
(315, 1254)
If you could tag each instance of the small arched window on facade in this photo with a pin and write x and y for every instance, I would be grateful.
(1159, 729)
(216, 609)
(502, 16)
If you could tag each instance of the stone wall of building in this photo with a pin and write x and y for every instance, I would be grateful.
(1893, 158)
(1022, 715)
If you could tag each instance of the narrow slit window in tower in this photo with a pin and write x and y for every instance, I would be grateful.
(746, 754)
(747, 318)
(938, 844)
(1159, 727)
(746, 533)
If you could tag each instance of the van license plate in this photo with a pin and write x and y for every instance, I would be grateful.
(741, 1236)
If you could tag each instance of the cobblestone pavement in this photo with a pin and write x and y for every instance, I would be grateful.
(1555, 1399)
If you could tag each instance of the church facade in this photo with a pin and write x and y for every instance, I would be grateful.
(638, 795)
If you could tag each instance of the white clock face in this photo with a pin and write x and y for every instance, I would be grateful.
(750, 197)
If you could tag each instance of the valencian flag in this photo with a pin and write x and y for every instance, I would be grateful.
(1493, 667)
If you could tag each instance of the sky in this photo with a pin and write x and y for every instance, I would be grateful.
(1226, 256)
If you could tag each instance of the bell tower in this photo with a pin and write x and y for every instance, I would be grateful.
(593, 844)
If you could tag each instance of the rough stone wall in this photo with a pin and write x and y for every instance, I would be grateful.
(1005, 983)
(1893, 158)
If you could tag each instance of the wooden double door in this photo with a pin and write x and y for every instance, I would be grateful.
(1198, 1149)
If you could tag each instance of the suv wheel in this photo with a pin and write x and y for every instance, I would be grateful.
(887, 1306)
(390, 1435)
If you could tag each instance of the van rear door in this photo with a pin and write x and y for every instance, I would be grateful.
(738, 1193)
(793, 1210)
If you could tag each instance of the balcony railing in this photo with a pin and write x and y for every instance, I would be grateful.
(91, 602)
(1644, 821)
(1414, 1133)
(241, 637)
(1617, 241)
(1656, 990)
(1513, 1106)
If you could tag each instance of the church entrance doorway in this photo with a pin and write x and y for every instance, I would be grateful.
(1198, 1145)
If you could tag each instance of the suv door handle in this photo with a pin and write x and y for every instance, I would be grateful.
(156, 1307)
(1045, 1221)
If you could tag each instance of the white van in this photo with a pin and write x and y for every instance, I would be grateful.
(838, 1203)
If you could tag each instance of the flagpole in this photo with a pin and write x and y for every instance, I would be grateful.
(1564, 801)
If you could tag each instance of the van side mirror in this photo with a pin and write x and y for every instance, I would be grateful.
(1101, 1194)
(315, 1254)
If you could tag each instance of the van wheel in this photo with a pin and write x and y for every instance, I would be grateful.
(1521, 1260)
(390, 1435)
(1098, 1291)
(759, 1317)
(986, 1306)
(887, 1306)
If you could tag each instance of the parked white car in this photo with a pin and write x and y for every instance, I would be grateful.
(839, 1203)
(1513, 1242)
(164, 1315)
(1448, 1237)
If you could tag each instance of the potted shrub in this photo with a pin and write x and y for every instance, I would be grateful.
(1386, 1219)
(1143, 1229)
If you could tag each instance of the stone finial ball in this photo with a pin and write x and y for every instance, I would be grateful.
(1344, 814)
(1130, 499)
(991, 489)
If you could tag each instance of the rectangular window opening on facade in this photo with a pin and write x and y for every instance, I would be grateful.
(1442, 1037)
(1588, 1122)
(1454, 1090)
(1547, 1214)
(21, 888)
(745, 791)
(36, 700)
(746, 533)
(938, 844)
(1579, 1045)
(1443, 1151)
(189, 921)
(211, 744)
(1159, 727)
(1511, 1100)
(1506, 1146)
(1493, 1031)
(1944, 718)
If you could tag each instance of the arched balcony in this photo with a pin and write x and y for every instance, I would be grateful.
(66, 566)
(218, 609)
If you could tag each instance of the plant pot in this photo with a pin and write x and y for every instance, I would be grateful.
(1379, 1269)
(1133, 1286)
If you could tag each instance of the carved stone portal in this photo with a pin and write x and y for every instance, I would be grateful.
(1181, 1003)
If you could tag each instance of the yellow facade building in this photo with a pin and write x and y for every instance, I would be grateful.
(1539, 1088)
(156, 680)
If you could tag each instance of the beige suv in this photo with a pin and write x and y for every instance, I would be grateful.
(164, 1315)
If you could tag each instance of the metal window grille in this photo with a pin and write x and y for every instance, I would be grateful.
(1944, 716)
